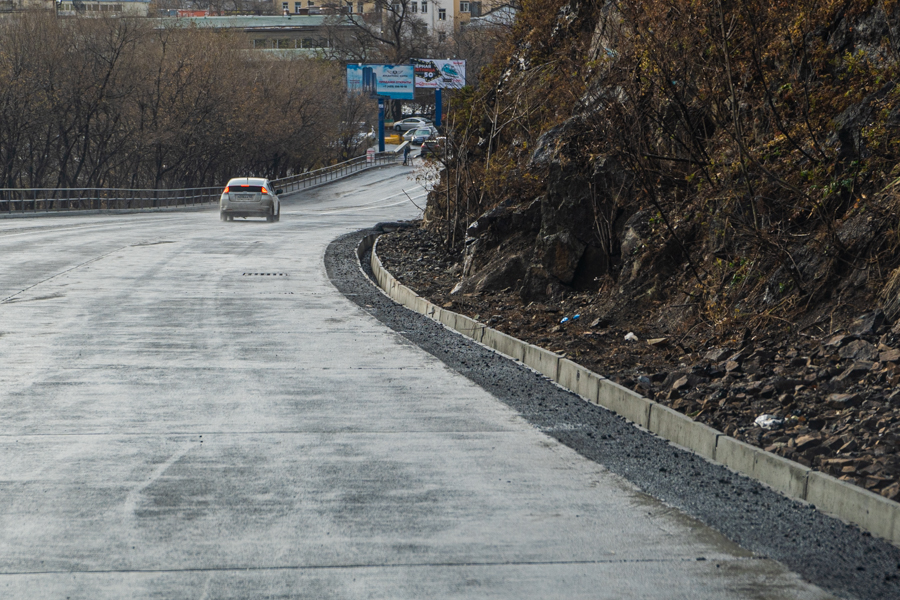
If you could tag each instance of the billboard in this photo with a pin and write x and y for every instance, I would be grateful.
(435, 73)
(392, 81)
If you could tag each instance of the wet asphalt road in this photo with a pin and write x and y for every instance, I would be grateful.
(190, 409)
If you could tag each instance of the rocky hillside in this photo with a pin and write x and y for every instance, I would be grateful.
(720, 179)
(723, 165)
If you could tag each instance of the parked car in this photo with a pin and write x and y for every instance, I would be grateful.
(411, 123)
(421, 135)
(250, 197)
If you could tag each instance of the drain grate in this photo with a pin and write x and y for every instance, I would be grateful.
(264, 274)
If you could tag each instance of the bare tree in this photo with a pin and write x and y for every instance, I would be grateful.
(115, 102)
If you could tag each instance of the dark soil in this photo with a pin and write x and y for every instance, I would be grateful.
(829, 388)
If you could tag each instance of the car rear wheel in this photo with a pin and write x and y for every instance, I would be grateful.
(270, 218)
(223, 216)
(278, 216)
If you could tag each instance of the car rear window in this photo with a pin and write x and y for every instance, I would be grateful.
(245, 188)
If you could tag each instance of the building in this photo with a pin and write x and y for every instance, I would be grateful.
(101, 8)
(293, 34)
(438, 15)
(503, 15)
(15, 6)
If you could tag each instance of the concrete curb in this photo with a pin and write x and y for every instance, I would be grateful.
(846, 501)
(577, 379)
(683, 430)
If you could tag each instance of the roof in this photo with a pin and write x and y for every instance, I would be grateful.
(251, 21)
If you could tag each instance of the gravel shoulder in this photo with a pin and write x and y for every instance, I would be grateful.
(836, 556)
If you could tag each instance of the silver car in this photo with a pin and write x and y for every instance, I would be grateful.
(411, 123)
(250, 197)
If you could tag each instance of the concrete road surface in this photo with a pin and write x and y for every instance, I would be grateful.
(189, 409)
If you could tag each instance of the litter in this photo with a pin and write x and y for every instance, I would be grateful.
(630, 337)
(768, 421)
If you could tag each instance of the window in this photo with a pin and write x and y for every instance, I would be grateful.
(350, 7)
(424, 6)
(259, 43)
(414, 7)
(310, 3)
(463, 7)
(359, 8)
(442, 14)
(297, 6)
(284, 7)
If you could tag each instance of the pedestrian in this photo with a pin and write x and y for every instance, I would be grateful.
(406, 154)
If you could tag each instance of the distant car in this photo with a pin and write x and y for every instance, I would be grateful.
(411, 123)
(409, 135)
(250, 197)
(421, 135)
(433, 147)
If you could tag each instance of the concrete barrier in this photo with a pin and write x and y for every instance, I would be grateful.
(779, 473)
(505, 344)
(420, 305)
(852, 503)
(542, 361)
(683, 430)
(788, 477)
(576, 378)
(624, 402)
(432, 311)
(469, 327)
(406, 296)
(736, 455)
(448, 318)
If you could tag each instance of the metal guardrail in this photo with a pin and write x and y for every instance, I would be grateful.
(74, 199)
(330, 173)
(20, 200)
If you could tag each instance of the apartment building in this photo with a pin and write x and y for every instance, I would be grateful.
(438, 15)
(102, 8)
(15, 6)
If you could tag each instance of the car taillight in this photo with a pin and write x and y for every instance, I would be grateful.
(226, 190)
(265, 191)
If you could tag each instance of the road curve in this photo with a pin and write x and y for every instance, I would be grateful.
(189, 409)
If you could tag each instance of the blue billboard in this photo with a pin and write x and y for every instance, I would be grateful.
(391, 81)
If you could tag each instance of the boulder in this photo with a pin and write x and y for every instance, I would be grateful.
(508, 272)
(859, 350)
(559, 255)
(867, 324)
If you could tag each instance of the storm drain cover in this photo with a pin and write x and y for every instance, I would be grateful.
(265, 274)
